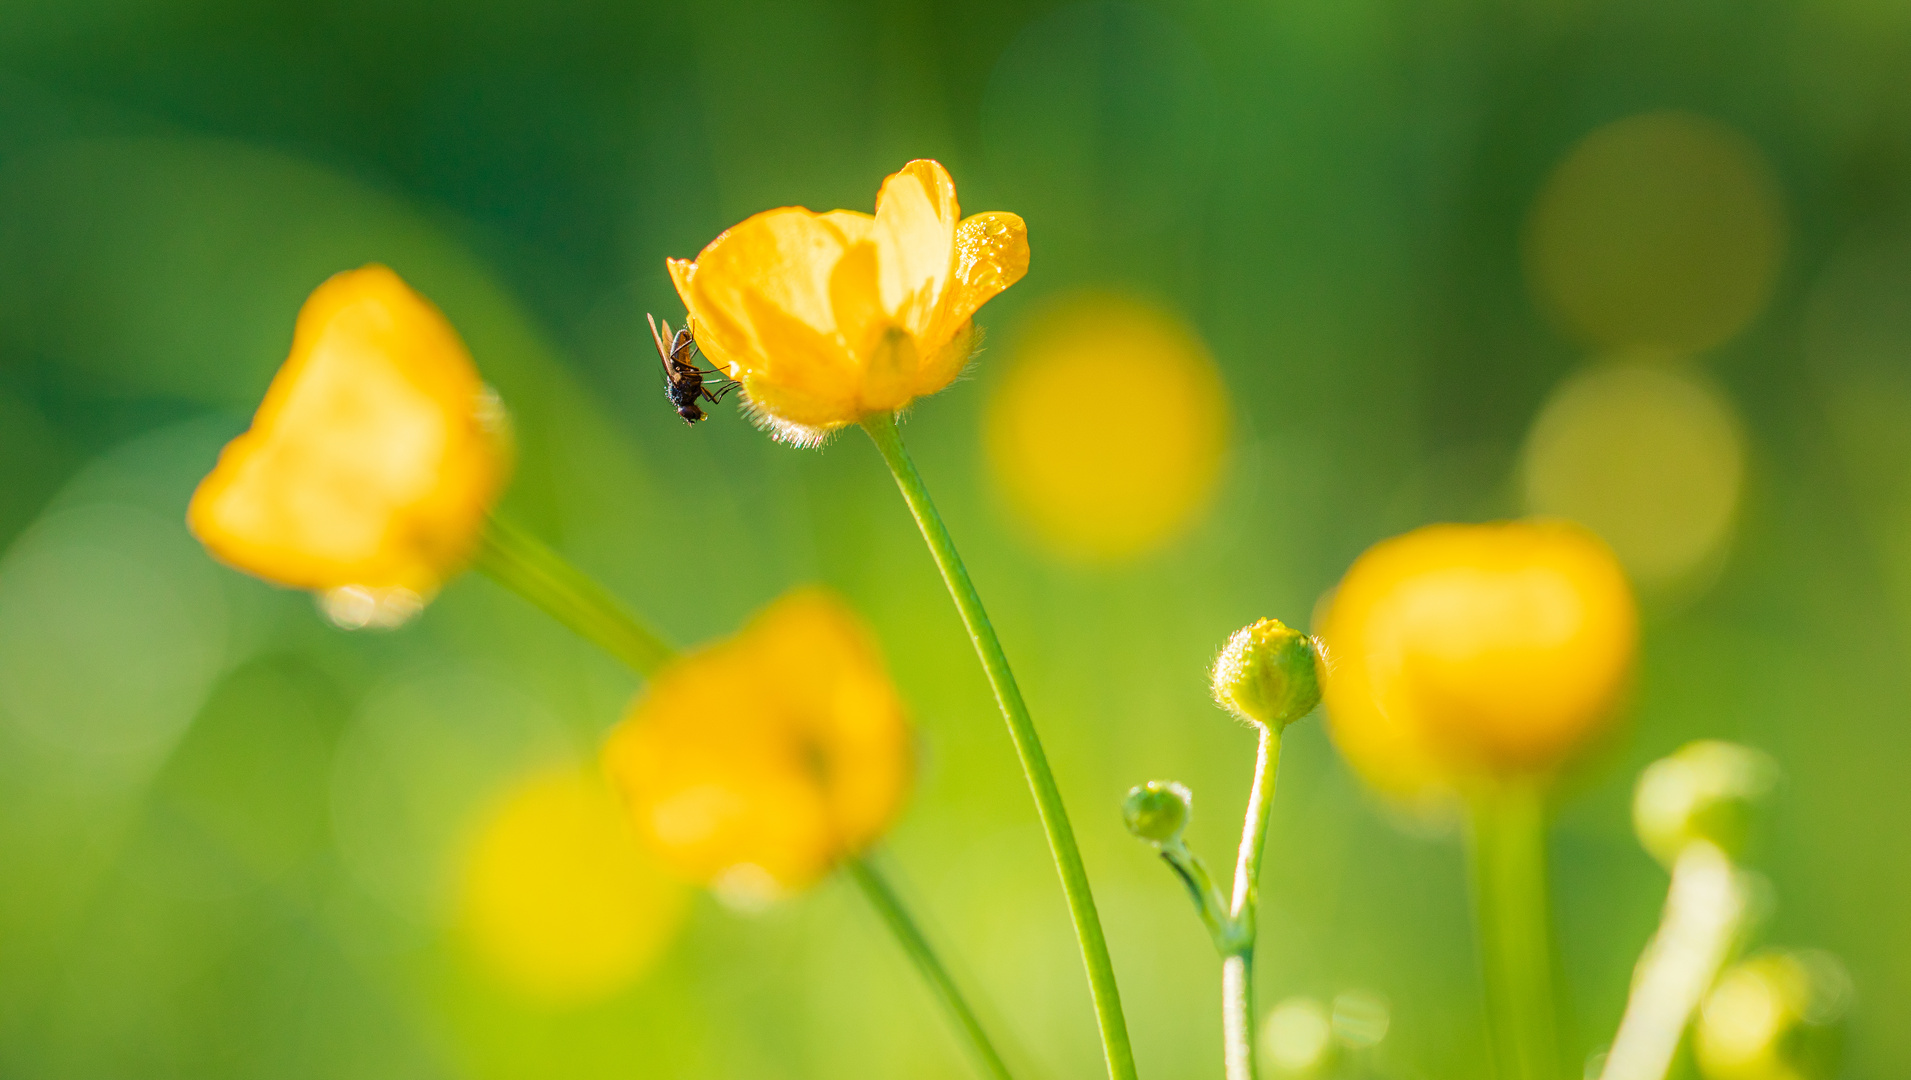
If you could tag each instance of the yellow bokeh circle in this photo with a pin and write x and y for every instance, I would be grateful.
(557, 897)
(1650, 458)
(1106, 431)
(1661, 230)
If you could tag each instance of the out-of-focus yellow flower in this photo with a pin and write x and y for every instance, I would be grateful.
(827, 318)
(1133, 459)
(755, 764)
(372, 461)
(1459, 654)
(557, 896)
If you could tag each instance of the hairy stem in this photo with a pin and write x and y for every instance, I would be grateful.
(1028, 746)
(1237, 966)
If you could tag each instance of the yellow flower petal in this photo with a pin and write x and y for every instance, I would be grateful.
(773, 754)
(991, 255)
(1462, 652)
(374, 456)
(916, 216)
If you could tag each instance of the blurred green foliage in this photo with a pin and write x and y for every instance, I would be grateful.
(224, 825)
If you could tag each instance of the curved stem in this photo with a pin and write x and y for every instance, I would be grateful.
(889, 906)
(1237, 967)
(1028, 746)
(523, 564)
(1208, 901)
(1507, 849)
(1704, 912)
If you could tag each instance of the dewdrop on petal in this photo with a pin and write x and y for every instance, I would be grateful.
(1266, 675)
(372, 462)
(1707, 791)
(1157, 811)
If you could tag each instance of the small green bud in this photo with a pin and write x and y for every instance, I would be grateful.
(1776, 1016)
(1157, 811)
(1265, 675)
(1706, 791)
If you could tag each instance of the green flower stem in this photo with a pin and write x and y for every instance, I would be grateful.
(896, 917)
(523, 564)
(527, 567)
(1028, 746)
(1507, 856)
(1260, 802)
(1208, 901)
(1237, 965)
(1237, 1014)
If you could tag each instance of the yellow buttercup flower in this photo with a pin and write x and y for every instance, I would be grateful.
(828, 318)
(756, 764)
(1458, 654)
(372, 461)
(557, 897)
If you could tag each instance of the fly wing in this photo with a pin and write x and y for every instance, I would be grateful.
(682, 345)
(663, 350)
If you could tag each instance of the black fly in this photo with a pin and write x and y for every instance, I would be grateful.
(683, 379)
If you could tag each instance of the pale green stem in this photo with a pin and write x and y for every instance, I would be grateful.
(1260, 802)
(1237, 965)
(1028, 746)
(889, 906)
(523, 564)
(529, 568)
(1507, 855)
(1704, 913)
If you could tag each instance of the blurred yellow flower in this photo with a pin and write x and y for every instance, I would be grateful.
(755, 764)
(373, 459)
(827, 318)
(1458, 654)
(1131, 462)
(558, 898)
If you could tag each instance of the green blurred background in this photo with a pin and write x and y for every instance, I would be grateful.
(225, 827)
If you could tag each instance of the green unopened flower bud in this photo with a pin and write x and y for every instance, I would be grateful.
(1777, 1016)
(1157, 811)
(1706, 791)
(1265, 675)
